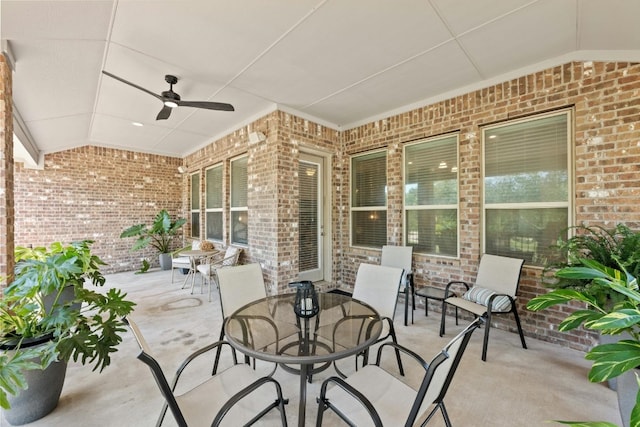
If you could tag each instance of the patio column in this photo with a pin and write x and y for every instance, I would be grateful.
(6, 173)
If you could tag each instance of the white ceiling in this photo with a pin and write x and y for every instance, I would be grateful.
(340, 63)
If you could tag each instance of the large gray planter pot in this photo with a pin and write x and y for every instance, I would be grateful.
(165, 261)
(42, 395)
(627, 389)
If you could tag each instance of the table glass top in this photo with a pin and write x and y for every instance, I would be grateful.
(270, 330)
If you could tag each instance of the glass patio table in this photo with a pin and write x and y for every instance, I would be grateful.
(268, 329)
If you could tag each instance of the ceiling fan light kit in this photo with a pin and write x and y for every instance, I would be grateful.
(171, 100)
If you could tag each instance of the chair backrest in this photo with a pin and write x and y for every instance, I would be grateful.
(146, 357)
(231, 256)
(377, 285)
(441, 369)
(239, 285)
(500, 274)
(397, 256)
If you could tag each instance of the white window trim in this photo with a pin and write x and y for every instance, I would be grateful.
(237, 208)
(191, 209)
(365, 208)
(220, 209)
(569, 204)
(455, 206)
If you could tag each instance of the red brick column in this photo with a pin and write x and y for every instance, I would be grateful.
(6, 174)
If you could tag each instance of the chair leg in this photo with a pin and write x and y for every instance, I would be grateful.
(392, 332)
(485, 343)
(445, 415)
(218, 350)
(515, 314)
(406, 305)
(444, 312)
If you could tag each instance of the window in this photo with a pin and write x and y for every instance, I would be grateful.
(526, 186)
(369, 200)
(239, 208)
(431, 196)
(213, 182)
(195, 205)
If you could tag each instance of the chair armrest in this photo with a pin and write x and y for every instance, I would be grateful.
(455, 282)
(199, 353)
(404, 350)
(244, 393)
(339, 382)
(512, 300)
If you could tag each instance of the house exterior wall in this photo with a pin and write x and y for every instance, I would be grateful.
(605, 98)
(7, 211)
(95, 193)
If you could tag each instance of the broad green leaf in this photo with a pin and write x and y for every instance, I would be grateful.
(576, 318)
(619, 319)
(611, 360)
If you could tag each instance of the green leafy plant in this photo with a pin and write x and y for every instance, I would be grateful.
(144, 267)
(614, 248)
(159, 235)
(609, 360)
(48, 298)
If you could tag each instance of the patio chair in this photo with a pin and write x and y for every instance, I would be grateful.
(238, 286)
(237, 395)
(401, 256)
(493, 293)
(377, 285)
(182, 262)
(209, 267)
(372, 395)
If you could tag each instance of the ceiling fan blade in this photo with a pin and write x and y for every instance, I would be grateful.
(221, 106)
(164, 113)
(113, 76)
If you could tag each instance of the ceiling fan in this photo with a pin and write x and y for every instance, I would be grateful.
(170, 99)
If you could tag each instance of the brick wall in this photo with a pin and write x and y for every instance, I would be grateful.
(7, 212)
(606, 101)
(95, 193)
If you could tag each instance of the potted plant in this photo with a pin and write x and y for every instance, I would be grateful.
(48, 317)
(159, 235)
(619, 317)
(614, 248)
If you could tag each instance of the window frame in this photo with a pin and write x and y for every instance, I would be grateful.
(367, 208)
(193, 211)
(233, 209)
(418, 207)
(569, 204)
(220, 209)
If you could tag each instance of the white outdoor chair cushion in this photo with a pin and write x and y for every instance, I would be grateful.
(391, 397)
(181, 260)
(197, 411)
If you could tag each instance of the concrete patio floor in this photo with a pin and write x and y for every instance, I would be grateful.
(515, 387)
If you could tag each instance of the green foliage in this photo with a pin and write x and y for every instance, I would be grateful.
(144, 267)
(615, 248)
(85, 325)
(158, 235)
(609, 318)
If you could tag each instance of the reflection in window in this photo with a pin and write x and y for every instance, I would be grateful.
(214, 203)
(195, 205)
(239, 208)
(526, 186)
(431, 196)
(369, 200)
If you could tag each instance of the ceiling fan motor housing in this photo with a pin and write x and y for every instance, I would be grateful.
(169, 94)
